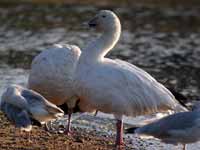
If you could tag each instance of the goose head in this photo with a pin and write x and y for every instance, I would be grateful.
(105, 20)
(108, 23)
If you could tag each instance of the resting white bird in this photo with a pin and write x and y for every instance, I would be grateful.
(52, 74)
(116, 86)
(21, 105)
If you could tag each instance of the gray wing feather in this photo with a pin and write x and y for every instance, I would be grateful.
(10, 97)
(23, 120)
(163, 127)
(19, 104)
(16, 115)
(35, 99)
(32, 97)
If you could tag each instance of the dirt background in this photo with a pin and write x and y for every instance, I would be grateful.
(12, 139)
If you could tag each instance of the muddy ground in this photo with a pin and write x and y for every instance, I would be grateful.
(39, 139)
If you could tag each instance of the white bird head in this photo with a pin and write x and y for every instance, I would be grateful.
(105, 20)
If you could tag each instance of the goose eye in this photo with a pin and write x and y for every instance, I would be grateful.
(104, 16)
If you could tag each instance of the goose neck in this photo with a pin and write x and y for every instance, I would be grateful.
(97, 49)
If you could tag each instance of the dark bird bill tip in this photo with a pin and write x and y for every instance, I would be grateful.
(130, 130)
(92, 25)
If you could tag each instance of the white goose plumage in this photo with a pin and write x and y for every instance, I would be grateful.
(116, 86)
(52, 73)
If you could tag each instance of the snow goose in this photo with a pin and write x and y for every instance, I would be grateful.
(51, 75)
(21, 105)
(116, 86)
(177, 128)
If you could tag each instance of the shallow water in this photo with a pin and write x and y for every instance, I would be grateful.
(165, 42)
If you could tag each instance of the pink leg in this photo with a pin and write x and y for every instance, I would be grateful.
(68, 130)
(119, 136)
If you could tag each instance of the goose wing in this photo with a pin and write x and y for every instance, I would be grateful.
(52, 72)
(142, 91)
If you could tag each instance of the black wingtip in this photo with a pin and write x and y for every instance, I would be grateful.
(35, 122)
(130, 130)
(65, 108)
(179, 97)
